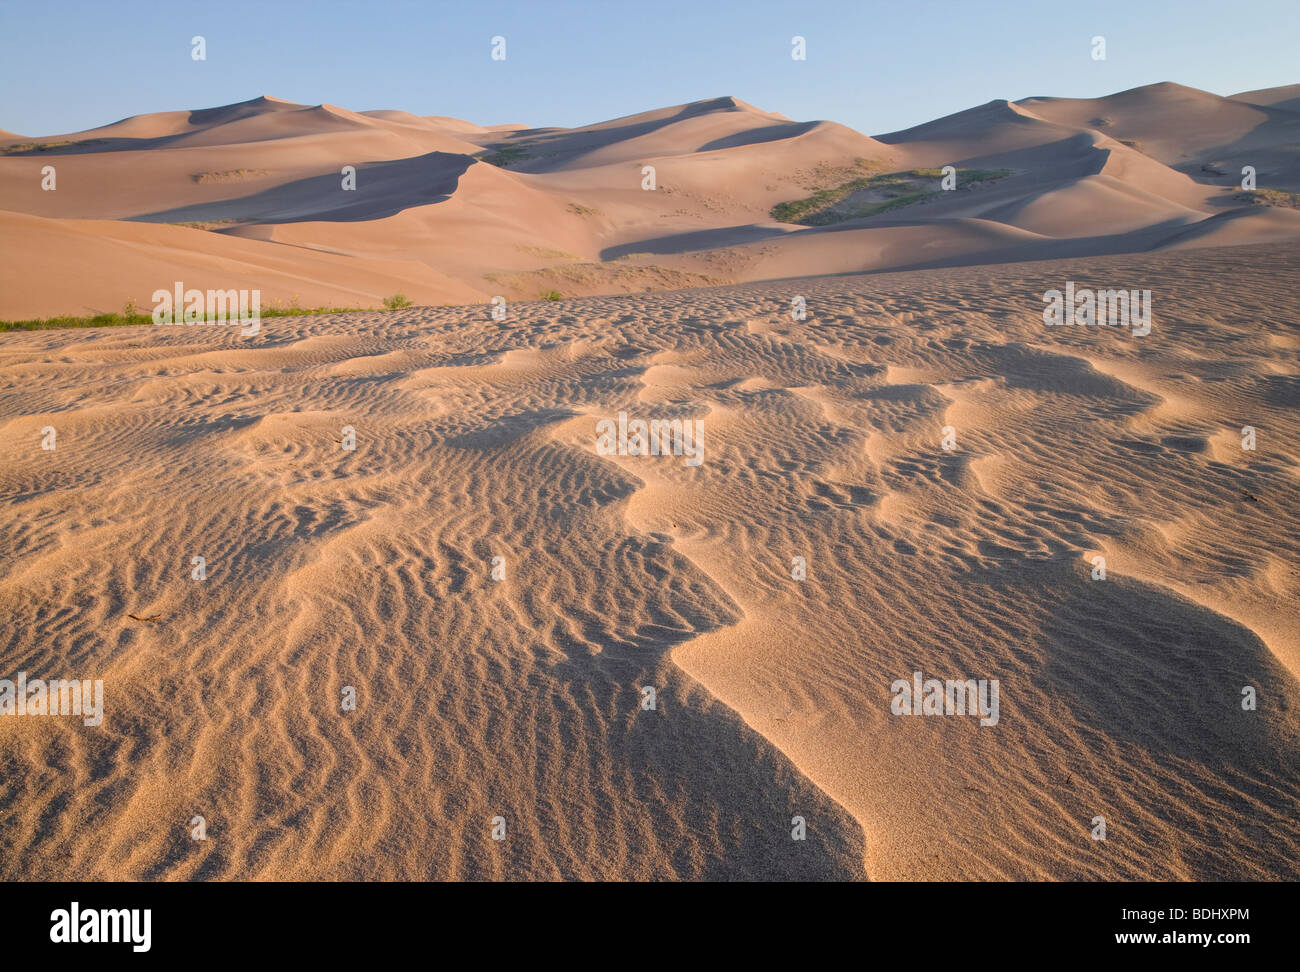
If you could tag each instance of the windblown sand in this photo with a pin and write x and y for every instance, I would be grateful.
(522, 698)
(446, 211)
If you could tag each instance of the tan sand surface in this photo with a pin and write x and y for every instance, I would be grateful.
(521, 698)
(449, 211)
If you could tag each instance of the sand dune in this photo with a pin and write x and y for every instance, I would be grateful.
(517, 211)
(521, 698)
(419, 509)
(1286, 97)
(152, 256)
(1172, 122)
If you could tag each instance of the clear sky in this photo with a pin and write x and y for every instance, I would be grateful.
(878, 67)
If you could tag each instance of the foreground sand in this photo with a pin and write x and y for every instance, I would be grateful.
(521, 698)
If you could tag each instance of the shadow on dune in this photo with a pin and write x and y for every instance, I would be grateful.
(556, 148)
(95, 145)
(1271, 147)
(390, 187)
(697, 240)
(757, 136)
(1039, 250)
(1151, 687)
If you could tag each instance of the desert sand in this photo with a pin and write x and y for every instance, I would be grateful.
(521, 697)
(415, 510)
(250, 195)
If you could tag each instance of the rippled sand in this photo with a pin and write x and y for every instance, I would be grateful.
(522, 698)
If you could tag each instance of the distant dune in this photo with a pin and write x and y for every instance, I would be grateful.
(449, 211)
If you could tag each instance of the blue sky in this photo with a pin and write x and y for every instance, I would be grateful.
(67, 66)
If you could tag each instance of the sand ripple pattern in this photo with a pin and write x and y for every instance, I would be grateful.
(521, 698)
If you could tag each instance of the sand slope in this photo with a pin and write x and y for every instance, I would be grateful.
(521, 698)
(508, 210)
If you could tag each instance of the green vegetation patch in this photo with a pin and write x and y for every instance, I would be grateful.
(894, 190)
(229, 175)
(26, 148)
(504, 156)
(1272, 197)
(119, 320)
(206, 224)
(546, 253)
